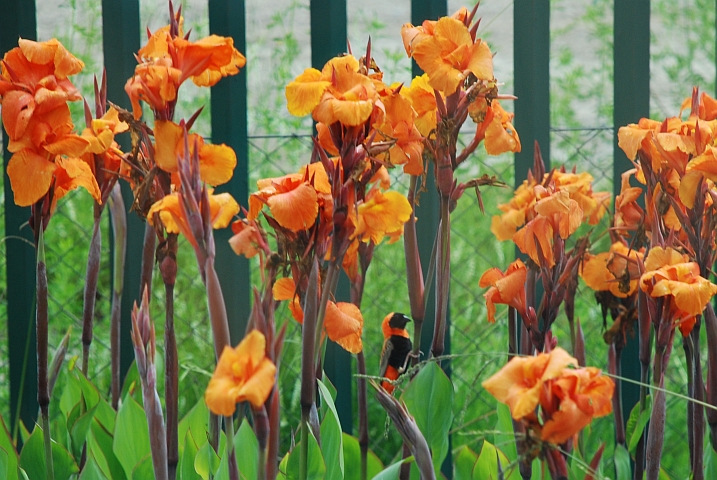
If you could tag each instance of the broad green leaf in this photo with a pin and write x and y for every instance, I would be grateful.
(79, 430)
(89, 391)
(185, 468)
(132, 384)
(352, 460)
(664, 476)
(71, 393)
(429, 398)
(622, 463)
(4, 460)
(636, 425)
(32, 458)
(106, 415)
(247, 448)
(91, 471)
(391, 472)
(197, 422)
(283, 465)
(7, 445)
(144, 469)
(487, 465)
(710, 462)
(506, 437)
(331, 438)
(99, 446)
(464, 464)
(316, 469)
(131, 435)
(207, 461)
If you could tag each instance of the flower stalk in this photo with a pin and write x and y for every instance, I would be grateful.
(43, 388)
(119, 229)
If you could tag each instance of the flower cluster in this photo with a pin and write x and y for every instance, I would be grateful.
(553, 401)
(47, 152)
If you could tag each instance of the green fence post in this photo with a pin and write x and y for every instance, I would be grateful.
(531, 67)
(18, 21)
(428, 212)
(229, 126)
(631, 56)
(120, 42)
(328, 40)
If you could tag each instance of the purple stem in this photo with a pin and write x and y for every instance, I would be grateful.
(119, 228)
(93, 270)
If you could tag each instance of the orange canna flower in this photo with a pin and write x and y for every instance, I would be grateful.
(216, 162)
(612, 270)
(519, 383)
(496, 127)
(447, 53)
(506, 288)
(246, 238)
(167, 61)
(399, 125)
(243, 374)
(222, 209)
(380, 215)
(423, 101)
(572, 401)
(339, 93)
(70, 174)
(293, 199)
(101, 133)
(670, 274)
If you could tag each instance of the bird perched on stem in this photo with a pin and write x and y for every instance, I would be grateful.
(396, 348)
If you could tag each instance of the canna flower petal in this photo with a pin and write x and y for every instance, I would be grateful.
(285, 289)
(506, 288)
(304, 93)
(30, 176)
(295, 209)
(344, 323)
(381, 214)
(242, 374)
(72, 173)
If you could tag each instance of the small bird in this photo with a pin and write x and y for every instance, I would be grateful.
(396, 348)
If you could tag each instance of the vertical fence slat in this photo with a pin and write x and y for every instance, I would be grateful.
(531, 67)
(328, 39)
(229, 126)
(18, 20)
(428, 212)
(631, 56)
(120, 41)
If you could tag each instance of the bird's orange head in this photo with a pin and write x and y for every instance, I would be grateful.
(395, 324)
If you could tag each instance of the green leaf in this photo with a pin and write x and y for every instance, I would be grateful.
(487, 465)
(131, 435)
(636, 424)
(71, 394)
(185, 468)
(331, 438)
(78, 431)
(710, 462)
(429, 398)
(464, 463)
(506, 437)
(283, 465)
(316, 468)
(195, 421)
(391, 472)
(91, 471)
(7, 445)
(144, 470)
(207, 461)
(245, 442)
(352, 460)
(106, 415)
(622, 463)
(99, 446)
(132, 384)
(32, 458)
(89, 391)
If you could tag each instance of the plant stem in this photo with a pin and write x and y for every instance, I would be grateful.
(93, 269)
(308, 361)
(119, 228)
(233, 467)
(443, 278)
(43, 393)
(698, 416)
(615, 369)
(363, 413)
(171, 382)
(656, 434)
(150, 241)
